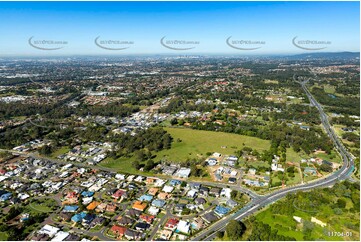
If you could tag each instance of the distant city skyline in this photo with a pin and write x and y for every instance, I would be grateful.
(177, 28)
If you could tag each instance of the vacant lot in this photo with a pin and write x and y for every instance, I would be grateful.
(193, 144)
(196, 143)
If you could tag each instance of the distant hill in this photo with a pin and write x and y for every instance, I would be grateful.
(327, 55)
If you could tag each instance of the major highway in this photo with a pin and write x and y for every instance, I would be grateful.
(259, 202)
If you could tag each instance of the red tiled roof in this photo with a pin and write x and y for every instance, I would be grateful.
(147, 218)
(118, 194)
(118, 229)
(172, 222)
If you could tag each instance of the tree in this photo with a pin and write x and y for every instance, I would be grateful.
(235, 229)
(149, 165)
(235, 194)
(220, 234)
(341, 203)
(186, 211)
(174, 121)
(308, 226)
(13, 212)
(45, 150)
(195, 171)
(140, 155)
(3, 227)
(136, 164)
(326, 168)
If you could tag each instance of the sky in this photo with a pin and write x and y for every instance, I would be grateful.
(252, 27)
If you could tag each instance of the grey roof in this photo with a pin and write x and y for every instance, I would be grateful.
(125, 220)
(210, 217)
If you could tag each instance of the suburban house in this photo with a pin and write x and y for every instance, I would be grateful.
(221, 211)
(153, 211)
(171, 224)
(146, 197)
(125, 221)
(147, 218)
(132, 234)
(183, 227)
(153, 191)
(118, 230)
(138, 205)
(133, 213)
(165, 234)
(158, 203)
(210, 217)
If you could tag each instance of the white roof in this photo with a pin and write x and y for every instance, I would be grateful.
(60, 236)
(298, 219)
(87, 200)
(153, 210)
(120, 176)
(226, 192)
(217, 154)
(234, 173)
(159, 183)
(67, 166)
(167, 189)
(183, 226)
(183, 172)
(49, 230)
(191, 193)
(81, 170)
(23, 196)
(2, 178)
(95, 188)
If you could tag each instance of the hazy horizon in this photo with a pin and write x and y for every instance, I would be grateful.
(151, 28)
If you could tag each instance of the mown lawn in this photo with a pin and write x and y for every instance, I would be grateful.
(293, 156)
(3, 236)
(43, 206)
(332, 158)
(122, 164)
(196, 143)
(60, 151)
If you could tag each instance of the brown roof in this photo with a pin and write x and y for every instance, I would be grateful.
(163, 195)
(120, 230)
(152, 191)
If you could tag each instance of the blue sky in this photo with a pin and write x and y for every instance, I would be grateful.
(145, 23)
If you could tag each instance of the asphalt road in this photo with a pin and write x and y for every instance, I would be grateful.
(261, 201)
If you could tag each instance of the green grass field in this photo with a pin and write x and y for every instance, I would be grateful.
(293, 156)
(39, 208)
(3, 236)
(345, 220)
(196, 143)
(60, 151)
(296, 157)
(44, 206)
(268, 81)
(122, 164)
(329, 89)
(335, 158)
(287, 226)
